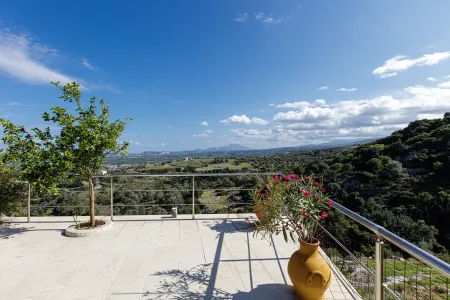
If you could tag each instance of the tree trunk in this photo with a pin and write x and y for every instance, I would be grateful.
(91, 199)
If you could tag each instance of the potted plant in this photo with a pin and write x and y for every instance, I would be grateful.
(293, 206)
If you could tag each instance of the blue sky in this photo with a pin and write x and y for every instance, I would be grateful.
(262, 73)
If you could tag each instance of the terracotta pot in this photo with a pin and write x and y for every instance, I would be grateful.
(309, 272)
(261, 217)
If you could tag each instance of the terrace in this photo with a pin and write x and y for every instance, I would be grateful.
(196, 256)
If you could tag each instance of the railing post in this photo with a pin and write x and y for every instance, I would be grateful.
(112, 200)
(379, 258)
(29, 203)
(193, 197)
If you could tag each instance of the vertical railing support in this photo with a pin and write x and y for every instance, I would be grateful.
(112, 200)
(379, 259)
(29, 203)
(193, 197)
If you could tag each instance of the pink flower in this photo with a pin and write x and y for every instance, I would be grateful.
(275, 177)
(324, 190)
(304, 214)
(330, 203)
(294, 219)
(316, 197)
(323, 215)
(316, 183)
(267, 180)
(307, 193)
(258, 192)
(299, 226)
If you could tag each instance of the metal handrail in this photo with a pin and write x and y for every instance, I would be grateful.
(406, 246)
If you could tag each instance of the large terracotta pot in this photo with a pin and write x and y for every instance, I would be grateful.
(309, 272)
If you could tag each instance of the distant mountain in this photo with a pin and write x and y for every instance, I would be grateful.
(233, 150)
(232, 147)
(236, 149)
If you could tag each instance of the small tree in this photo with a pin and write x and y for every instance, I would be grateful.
(79, 151)
(11, 191)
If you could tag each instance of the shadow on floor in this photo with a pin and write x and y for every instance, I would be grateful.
(8, 231)
(200, 282)
(194, 285)
(267, 291)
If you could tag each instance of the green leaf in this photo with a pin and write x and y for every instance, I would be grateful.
(292, 236)
(284, 234)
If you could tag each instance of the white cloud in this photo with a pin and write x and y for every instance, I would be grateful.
(271, 104)
(387, 75)
(301, 104)
(402, 63)
(349, 120)
(272, 21)
(162, 144)
(445, 85)
(200, 135)
(24, 59)
(322, 88)
(429, 116)
(359, 119)
(447, 77)
(259, 16)
(432, 79)
(204, 123)
(16, 104)
(86, 63)
(139, 144)
(346, 89)
(241, 17)
(320, 102)
(244, 120)
(252, 133)
(306, 114)
(297, 104)
(204, 134)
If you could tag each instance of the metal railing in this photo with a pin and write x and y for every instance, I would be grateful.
(374, 269)
(193, 189)
(381, 287)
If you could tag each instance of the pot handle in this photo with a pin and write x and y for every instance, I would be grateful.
(311, 275)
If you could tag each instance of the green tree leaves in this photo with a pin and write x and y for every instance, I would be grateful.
(80, 149)
(12, 192)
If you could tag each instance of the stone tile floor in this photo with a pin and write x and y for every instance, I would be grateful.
(169, 259)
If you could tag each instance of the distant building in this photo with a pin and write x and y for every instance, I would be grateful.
(103, 172)
(186, 159)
